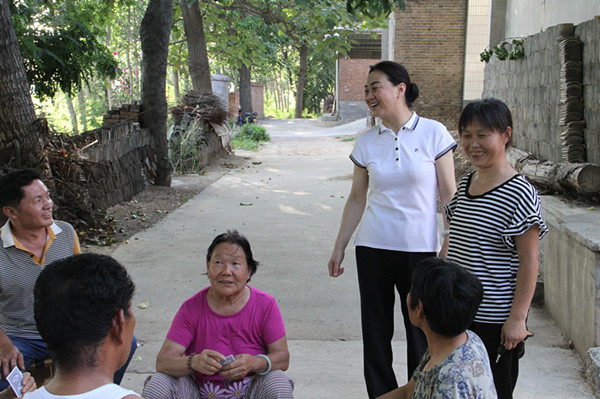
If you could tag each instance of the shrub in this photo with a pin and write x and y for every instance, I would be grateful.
(250, 136)
(255, 132)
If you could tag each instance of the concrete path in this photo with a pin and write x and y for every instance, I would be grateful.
(288, 201)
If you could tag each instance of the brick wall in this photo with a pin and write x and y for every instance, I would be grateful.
(353, 76)
(234, 104)
(257, 91)
(430, 43)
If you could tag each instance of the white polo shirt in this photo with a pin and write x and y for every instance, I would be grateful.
(402, 200)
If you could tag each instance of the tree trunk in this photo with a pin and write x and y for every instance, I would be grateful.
(72, 114)
(301, 79)
(108, 89)
(82, 108)
(276, 92)
(245, 89)
(176, 85)
(21, 133)
(284, 93)
(580, 178)
(130, 81)
(108, 93)
(197, 52)
(155, 31)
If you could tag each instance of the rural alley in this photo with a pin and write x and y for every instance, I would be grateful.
(288, 199)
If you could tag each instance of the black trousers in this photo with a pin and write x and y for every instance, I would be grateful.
(380, 273)
(506, 370)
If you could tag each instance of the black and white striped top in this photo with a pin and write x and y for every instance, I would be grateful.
(482, 231)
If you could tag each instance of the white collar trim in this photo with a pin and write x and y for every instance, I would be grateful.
(7, 237)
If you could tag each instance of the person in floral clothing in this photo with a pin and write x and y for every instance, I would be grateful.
(443, 301)
(226, 341)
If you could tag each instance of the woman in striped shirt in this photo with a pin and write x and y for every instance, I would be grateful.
(495, 227)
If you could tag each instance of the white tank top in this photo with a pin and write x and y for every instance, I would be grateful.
(108, 391)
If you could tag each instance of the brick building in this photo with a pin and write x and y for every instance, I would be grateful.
(429, 40)
(257, 91)
(352, 72)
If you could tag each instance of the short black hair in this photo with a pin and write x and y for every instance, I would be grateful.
(75, 300)
(233, 237)
(396, 74)
(450, 295)
(11, 186)
(491, 113)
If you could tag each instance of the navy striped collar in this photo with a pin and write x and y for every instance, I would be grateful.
(411, 124)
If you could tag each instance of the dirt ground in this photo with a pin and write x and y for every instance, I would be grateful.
(154, 204)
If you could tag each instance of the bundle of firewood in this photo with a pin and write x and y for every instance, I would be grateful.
(204, 106)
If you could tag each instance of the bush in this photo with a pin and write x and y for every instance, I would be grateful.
(255, 132)
(250, 136)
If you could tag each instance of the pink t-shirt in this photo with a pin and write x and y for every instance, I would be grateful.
(197, 327)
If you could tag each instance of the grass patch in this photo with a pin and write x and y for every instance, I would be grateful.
(348, 139)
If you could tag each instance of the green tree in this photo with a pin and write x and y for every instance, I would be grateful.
(373, 8)
(240, 35)
(320, 79)
(61, 43)
(322, 26)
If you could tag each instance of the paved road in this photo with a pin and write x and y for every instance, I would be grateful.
(288, 200)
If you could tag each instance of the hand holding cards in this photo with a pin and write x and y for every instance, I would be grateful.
(15, 379)
(227, 360)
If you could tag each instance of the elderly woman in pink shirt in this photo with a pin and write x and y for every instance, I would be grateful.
(228, 340)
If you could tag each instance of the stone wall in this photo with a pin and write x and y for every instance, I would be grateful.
(531, 87)
(115, 164)
(430, 42)
(589, 33)
(571, 271)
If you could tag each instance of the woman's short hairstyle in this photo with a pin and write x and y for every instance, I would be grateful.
(233, 237)
(491, 113)
(397, 74)
(450, 295)
(75, 301)
(11, 186)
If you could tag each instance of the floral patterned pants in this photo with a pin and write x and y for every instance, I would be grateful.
(275, 385)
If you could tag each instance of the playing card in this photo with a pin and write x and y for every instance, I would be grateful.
(227, 360)
(14, 379)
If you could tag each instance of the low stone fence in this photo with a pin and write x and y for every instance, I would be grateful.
(571, 275)
(110, 164)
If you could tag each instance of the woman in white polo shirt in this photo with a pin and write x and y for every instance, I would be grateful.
(402, 164)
